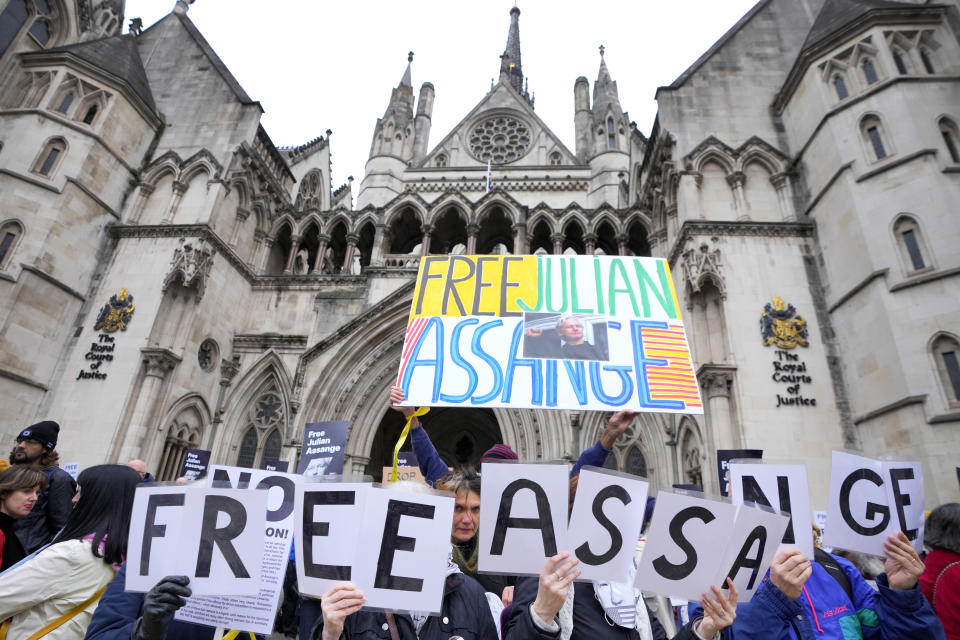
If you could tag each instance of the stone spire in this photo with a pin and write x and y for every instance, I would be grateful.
(406, 80)
(511, 70)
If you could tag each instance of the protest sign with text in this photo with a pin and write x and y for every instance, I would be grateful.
(872, 499)
(564, 332)
(782, 487)
(323, 449)
(523, 516)
(213, 536)
(253, 613)
(725, 457)
(605, 523)
(195, 463)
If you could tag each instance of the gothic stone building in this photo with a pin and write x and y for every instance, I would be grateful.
(170, 278)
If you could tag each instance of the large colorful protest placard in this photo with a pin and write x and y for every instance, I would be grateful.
(563, 332)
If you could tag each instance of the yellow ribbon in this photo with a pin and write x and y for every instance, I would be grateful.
(403, 438)
(231, 635)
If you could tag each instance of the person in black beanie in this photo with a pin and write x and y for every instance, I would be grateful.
(35, 447)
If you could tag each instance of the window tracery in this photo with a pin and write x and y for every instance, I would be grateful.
(500, 140)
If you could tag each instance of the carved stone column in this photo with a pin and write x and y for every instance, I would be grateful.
(292, 255)
(557, 240)
(138, 201)
(782, 183)
(591, 241)
(521, 244)
(266, 245)
(179, 188)
(321, 252)
(352, 240)
(228, 371)
(622, 244)
(242, 215)
(736, 181)
(716, 383)
(145, 420)
(381, 244)
(425, 246)
(356, 464)
(472, 230)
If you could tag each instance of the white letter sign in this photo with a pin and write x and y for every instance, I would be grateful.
(872, 499)
(605, 523)
(214, 536)
(523, 516)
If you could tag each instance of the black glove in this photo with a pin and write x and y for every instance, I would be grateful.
(159, 605)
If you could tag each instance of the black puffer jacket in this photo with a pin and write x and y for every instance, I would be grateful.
(50, 512)
(465, 613)
(589, 620)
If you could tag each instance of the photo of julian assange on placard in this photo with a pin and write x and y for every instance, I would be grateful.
(557, 336)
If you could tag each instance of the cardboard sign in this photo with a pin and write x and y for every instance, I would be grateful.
(404, 474)
(195, 464)
(322, 451)
(73, 468)
(782, 487)
(276, 465)
(327, 516)
(681, 556)
(523, 516)
(213, 536)
(724, 456)
(872, 499)
(605, 523)
(751, 546)
(403, 544)
(253, 613)
(565, 332)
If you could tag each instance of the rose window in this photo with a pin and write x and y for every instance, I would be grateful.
(500, 140)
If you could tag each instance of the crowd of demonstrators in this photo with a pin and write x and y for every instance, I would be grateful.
(940, 581)
(828, 598)
(55, 591)
(20, 487)
(36, 448)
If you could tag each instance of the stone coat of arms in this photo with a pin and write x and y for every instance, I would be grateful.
(781, 325)
(115, 314)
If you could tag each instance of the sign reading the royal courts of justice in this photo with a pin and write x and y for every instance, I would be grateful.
(562, 332)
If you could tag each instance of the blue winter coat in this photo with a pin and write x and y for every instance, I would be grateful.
(118, 612)
(825, 612)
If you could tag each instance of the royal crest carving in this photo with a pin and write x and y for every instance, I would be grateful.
(115, 314)
(781, 325)
(190, 265)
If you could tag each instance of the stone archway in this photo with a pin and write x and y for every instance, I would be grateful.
(460, 436)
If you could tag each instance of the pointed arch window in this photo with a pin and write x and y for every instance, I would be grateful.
(636, 463)
(611, 134)
(272, 446)
(555, 158)
(913, 250)
(10, 234)
(899, 62)
(40, 29)
(946, 353)
(441, 160)
(248, 449)
(840, 85)
(65, 103)
(927, 60)
(91, 114)
(872, 131)
(50, 157)
(869, 71)
(948, 131)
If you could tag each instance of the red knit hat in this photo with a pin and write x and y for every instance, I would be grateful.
(499, 452)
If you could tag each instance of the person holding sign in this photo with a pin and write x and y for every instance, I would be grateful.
(433, 467)
(542, 610)
(800, 599)
(56, 590)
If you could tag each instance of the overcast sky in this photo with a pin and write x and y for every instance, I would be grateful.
(317, 65)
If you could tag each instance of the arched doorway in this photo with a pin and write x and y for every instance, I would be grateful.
(460, 435)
